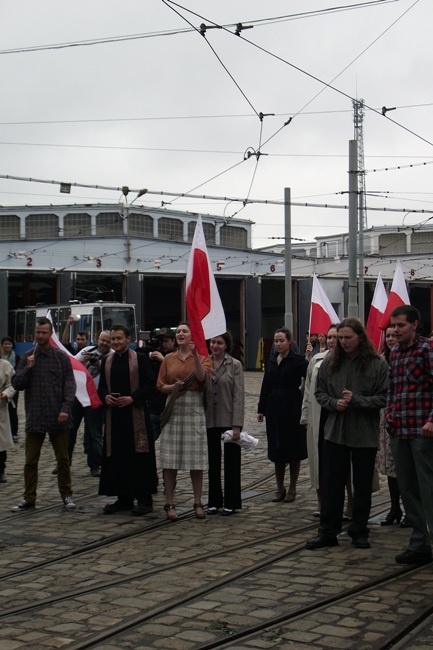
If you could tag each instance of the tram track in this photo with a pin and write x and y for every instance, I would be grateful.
(212, 588)
(152, 533)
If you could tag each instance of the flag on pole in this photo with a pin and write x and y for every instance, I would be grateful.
(322, 313)
(86, 392)
(397, 296)
(203, 303)
(377, 309)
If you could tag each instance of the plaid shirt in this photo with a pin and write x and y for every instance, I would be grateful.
(410, 396)
(49, 389)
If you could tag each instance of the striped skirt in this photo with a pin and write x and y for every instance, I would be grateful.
(183, 441)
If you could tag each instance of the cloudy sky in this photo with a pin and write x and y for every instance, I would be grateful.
(128, 92)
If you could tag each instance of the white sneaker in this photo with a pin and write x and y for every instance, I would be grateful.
(22, 505)
(69, 503)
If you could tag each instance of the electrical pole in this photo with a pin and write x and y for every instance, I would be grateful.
(288, 315)
(353, 227)
(358, 119)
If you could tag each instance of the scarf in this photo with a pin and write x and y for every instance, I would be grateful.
(138, 419)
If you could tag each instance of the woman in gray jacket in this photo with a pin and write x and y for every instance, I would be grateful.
(224, 410)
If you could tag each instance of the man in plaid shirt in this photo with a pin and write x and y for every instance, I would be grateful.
(409, 422)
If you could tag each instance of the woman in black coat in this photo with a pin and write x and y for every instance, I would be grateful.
(280, 403)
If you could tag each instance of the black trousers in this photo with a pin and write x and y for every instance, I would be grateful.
(232, 472)
(336, 466)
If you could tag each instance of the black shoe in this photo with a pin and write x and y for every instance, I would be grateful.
(411, 557)
(213, 510)
(391, 517)
(226, 512)
(95, 472)
(141, 509)
(321, 542)
(117, 506)
(360, 542)
(405, 523)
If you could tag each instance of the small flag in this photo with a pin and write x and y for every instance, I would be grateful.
(86, 392)
(375, 315)
(322, 313)
(397, 296)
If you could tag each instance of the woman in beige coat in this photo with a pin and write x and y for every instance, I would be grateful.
(224, 410)
(6, 394)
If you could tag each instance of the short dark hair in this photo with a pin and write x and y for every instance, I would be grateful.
(412, 314)
(9, 339)
(285, 331)
(82, 333)
(184, 322)
(44, 321)
(122, 328)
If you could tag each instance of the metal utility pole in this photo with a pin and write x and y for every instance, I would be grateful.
(288, 315)
(353, 227)
(358, 119)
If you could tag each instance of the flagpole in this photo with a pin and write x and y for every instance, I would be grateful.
(288, 315)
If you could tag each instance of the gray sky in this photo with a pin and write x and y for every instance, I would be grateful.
(160, 111)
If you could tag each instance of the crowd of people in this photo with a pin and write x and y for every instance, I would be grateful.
(349, 410)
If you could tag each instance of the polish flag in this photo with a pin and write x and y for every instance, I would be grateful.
(203, 303)
(86, 392)
(397, 296)
(322, 313)
(375, 315)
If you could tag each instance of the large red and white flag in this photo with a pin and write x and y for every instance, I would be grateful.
(86, 392)
(203, 303)
(397, 296)
(377, 309)
(322, 313)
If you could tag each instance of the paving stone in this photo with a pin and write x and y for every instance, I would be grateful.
(293, 582)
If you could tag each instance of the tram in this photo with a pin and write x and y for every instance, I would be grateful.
(91, 317)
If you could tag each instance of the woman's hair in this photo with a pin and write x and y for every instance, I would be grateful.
(9, 339)
(228, 340)
(366, 350)
(285, 331)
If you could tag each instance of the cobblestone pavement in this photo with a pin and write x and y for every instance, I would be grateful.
(155, 564)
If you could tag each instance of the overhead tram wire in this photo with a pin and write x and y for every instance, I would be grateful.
(202, 32)
(331, 87)
(301, 110)
(325, 85)
(176, 32)
(260, 115)
(309, 74)
(160, 118)
(207, 197)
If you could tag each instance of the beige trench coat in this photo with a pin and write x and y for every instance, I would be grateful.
(6, 372)
(310, 415)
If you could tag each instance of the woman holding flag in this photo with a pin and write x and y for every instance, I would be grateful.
(183, 443)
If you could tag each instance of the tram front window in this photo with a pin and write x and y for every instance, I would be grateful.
(118, 315)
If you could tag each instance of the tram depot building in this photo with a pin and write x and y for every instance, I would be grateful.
(55, 254)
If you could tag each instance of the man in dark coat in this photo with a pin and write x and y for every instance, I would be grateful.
(128, 468)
